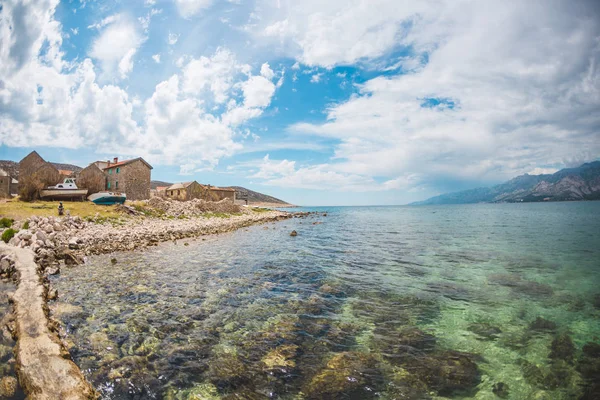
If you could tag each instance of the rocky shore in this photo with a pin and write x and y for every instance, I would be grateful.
(43, 244)
(69, 239)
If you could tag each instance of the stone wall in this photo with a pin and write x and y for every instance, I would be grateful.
(218, 194)
(133, 179)
(5, 186)
(28, 165)
(92, 178)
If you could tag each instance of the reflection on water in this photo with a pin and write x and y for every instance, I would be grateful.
(478, 301)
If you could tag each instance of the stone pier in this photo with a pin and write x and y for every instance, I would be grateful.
(44, 368)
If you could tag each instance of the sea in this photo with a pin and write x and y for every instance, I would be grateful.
(480, 301)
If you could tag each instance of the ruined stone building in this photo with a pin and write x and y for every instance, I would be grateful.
(91, 178)
(35, 174)
(193, 190)
(131, 177)
(8, 184)
(185, 191)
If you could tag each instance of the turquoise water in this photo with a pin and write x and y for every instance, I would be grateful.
(466, 302)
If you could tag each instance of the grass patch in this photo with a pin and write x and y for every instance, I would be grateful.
(6, 222)
(26, 225)
(144, 209)
(8, 234)
(18, 210)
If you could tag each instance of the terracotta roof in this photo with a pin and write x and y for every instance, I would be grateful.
(65, 172)
(124, 162)
(161, 188)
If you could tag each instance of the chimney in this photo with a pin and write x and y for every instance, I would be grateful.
(116, 160)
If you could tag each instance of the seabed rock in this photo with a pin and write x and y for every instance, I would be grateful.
(346, 375)
(294, 233)
(485, 331)
(500, 389)
(8, 386)
(543, 325)
(562, 348)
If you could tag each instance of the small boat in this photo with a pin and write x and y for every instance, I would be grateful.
(67, 190)
(107, 198)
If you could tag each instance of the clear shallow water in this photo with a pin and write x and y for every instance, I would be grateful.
(374, 302)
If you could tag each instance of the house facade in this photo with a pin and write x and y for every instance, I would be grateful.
(185, 191)
(8, 184)
(218, 194)
(91, 178)
(35, 174)
(131, 177)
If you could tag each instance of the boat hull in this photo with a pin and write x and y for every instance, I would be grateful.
(107, 198)
(63, 194)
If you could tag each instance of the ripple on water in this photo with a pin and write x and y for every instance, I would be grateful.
(374, 303)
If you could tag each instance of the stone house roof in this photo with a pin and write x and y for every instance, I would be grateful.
(125, 162)
(181, 185)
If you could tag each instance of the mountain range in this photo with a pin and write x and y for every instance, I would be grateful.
(569, 184)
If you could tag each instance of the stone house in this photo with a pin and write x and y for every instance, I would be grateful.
(34, 175)
(91, 178)
(218, 194)
(8, 184)
(131, 177)
(185, 191)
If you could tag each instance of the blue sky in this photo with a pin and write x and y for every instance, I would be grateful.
(341, 102)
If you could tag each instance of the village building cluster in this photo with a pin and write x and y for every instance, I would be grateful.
(132, 177)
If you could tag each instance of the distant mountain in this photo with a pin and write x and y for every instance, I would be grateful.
(66, 167)
(155, 184)
(255, 197)
(12, 167)
(581, 183)
(240, 193)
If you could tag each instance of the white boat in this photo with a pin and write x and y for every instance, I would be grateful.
(107, 198)
(67, 190)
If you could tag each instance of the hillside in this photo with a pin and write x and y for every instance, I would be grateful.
(256, 197)
(12, 167)
(240, 193)
(569, 184)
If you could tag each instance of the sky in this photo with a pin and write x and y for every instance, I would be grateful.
(338, 102)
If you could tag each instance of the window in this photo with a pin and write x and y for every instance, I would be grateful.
(178, 192)
(118, 169)
(110, 171)
(108, 185)
(116, 184)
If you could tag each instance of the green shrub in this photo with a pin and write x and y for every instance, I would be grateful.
(8, 234)
(26, 225)
(6, 222)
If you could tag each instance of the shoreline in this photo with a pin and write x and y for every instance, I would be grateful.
(44, 367)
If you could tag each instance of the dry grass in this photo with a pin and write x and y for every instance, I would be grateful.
(19, 210)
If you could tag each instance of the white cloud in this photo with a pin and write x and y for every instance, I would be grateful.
(189, 8)
(316, 78)
(156, 58)
(266, 71)
(116, 46)
(339, 31)
(258, 91)
(542, 171)
(145, 21)
(274, 169)
(489, 103)
(215, 74)
(75, 31)
(172, 38)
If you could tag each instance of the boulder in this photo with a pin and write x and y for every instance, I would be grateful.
(562, 348)
(48, 228)
(73, 243)
(57, 227)
(294, 233)
(8, 387)
(41, 235)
